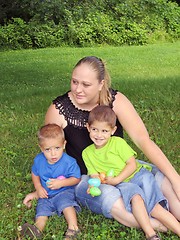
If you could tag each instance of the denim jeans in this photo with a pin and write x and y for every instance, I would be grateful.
(144, 184)
(56, 204)
(110, 194)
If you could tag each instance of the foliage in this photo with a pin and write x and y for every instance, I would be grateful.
(40, 24)
(15, 35)
(46, 35)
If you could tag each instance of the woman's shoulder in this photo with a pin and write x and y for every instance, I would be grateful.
(118, 95)
(71, 114)
(53, 116)
(61, 99)
(121, 102)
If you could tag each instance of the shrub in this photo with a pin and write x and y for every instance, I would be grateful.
(46, 35)
(14, 35)
(18, 34)
(58, 23)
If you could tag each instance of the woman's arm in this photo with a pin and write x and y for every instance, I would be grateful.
(135, 128)
(53, 116)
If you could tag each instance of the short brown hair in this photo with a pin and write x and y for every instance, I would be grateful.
(50, 131)
(102, 113)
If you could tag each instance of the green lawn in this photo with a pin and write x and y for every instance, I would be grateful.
(30, 79)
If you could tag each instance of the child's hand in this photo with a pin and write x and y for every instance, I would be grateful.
(55, 183)
(111, 181)
(29, 197)
(88, 190)
(42, 193)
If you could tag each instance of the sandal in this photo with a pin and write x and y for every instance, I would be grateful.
(29, 230)
(155, 237)
(71, 234)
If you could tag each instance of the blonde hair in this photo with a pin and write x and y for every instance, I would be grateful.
(102, 74)
(102, 114)
(50, 131)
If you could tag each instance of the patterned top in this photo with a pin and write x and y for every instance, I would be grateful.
(76, 134)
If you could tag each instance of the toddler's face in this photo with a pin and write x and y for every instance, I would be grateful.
(53, 149)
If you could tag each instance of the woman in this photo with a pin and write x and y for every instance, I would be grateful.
(90, 86)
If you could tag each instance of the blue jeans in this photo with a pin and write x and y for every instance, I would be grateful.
(56, 204)
(144, 184)
(110, 194)
(159, 176)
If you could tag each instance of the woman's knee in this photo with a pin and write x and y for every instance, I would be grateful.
(171, 196)
(110, 195)
(101, 204)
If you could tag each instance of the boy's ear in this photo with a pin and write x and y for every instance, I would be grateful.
(88, 127)
(114, 129)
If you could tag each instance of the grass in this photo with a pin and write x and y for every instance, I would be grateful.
(30, 79)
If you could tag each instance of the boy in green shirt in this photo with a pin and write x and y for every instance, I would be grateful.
(140, 192)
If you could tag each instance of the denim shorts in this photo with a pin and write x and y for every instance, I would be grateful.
(104, 203)
(144, 184)
(159, 176)
(56, 204)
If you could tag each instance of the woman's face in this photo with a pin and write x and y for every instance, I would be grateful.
(85, 86)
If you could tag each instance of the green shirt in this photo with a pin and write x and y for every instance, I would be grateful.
(112, 156)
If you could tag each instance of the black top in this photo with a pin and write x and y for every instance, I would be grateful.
(76, 133)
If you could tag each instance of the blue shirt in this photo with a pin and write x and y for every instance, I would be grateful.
(66, 166)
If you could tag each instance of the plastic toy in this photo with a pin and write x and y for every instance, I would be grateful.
(110, 173)
(94, 183)
(60, 177)
(47, 182)
(102, 175)
(93, 189)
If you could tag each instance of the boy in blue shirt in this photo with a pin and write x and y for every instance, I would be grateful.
(54, 174)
